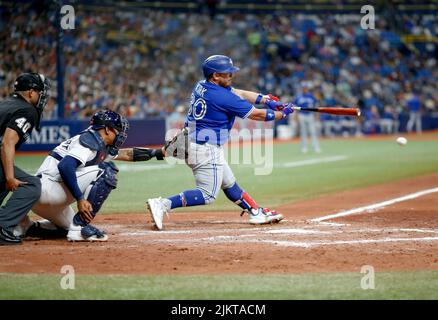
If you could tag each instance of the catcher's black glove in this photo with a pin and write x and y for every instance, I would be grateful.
(146, 154)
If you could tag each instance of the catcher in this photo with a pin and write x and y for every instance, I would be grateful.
(79, 169)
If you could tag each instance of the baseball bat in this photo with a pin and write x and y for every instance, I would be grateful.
(337, 111)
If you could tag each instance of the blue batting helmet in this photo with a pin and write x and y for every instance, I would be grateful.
(219, 64)
(108, 118)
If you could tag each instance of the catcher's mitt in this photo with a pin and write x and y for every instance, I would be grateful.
(178, 147)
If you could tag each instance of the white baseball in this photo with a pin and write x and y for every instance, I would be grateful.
(402, 141)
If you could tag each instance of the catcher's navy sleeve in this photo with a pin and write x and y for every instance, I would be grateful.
(67, 168)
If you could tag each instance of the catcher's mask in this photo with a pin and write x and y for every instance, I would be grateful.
(108, 118)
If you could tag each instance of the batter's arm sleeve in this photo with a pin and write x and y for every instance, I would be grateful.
(67, 169)
(250, 96)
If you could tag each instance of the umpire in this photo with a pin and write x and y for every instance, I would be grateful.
(19, 114)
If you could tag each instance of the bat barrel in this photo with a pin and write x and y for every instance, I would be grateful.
(336, 111)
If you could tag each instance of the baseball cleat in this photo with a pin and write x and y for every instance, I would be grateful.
(158, 207)
(87, 233)
(264, 216)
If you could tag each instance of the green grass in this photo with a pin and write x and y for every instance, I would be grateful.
(388, 285)
(369, 163)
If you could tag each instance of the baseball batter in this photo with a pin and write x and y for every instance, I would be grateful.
(79, 169)
(213, 108)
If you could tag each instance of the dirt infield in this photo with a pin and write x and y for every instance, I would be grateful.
(399, 236)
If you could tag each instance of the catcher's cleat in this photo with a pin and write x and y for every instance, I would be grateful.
(87, 233)
(45, 231)
(158, 207)
(263, 216)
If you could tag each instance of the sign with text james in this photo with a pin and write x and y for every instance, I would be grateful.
(141, 133)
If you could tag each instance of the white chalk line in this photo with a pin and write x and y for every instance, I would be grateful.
(310, 162)
(297, 231)
(342, 242)
(192, 231)
(333, 224)
(376, 206)
(286, 243)
(418, 230)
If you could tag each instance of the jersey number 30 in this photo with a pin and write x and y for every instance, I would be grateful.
(198, 108)
(23, 124)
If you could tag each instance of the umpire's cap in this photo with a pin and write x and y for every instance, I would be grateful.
(219, 64)
(30, 80)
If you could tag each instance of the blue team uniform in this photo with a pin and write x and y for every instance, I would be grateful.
(213, 110)
(306, 100)
(307, 121)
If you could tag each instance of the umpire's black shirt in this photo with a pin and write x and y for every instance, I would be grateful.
(19, 115)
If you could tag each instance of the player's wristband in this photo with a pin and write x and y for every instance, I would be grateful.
(259, 98)
(270, 115)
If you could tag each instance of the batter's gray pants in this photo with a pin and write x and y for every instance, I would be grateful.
(21, 201)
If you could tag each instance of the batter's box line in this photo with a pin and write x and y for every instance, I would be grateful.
(285, 243)
(377, 206)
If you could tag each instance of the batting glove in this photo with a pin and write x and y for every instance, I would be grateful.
(272, 97)
(287, 109)
(274, 103)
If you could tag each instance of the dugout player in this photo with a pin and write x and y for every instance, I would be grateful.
(19, 114)
(79, 169)
(307, 119)
(213, 108)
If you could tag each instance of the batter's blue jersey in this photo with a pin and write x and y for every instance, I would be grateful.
(212, 112)
(305, 101)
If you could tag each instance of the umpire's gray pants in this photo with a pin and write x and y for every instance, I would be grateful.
(21, 200)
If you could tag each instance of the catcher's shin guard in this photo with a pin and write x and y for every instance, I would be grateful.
(100, 190)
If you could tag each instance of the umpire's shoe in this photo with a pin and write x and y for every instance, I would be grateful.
(7, 238)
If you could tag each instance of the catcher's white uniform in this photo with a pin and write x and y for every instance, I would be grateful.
(54, 203)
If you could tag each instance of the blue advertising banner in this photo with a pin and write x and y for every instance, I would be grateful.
(53, 132)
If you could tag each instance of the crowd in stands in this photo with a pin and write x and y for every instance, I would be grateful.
(145, 63)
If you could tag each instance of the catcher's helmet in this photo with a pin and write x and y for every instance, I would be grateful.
(37, 82)
(108, 118)
(219, 64)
